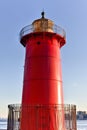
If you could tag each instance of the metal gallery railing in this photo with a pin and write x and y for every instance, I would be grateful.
(55, 29)
(69, 112)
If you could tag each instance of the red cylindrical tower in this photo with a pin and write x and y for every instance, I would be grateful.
(42, 86)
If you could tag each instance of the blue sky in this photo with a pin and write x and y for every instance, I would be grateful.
(69, 14)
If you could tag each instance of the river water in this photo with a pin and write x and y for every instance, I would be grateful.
(81, 125)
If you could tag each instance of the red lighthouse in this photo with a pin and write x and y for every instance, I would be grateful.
(42, 86)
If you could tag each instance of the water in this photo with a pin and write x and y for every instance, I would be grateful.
(81, 125)
(3, 125)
